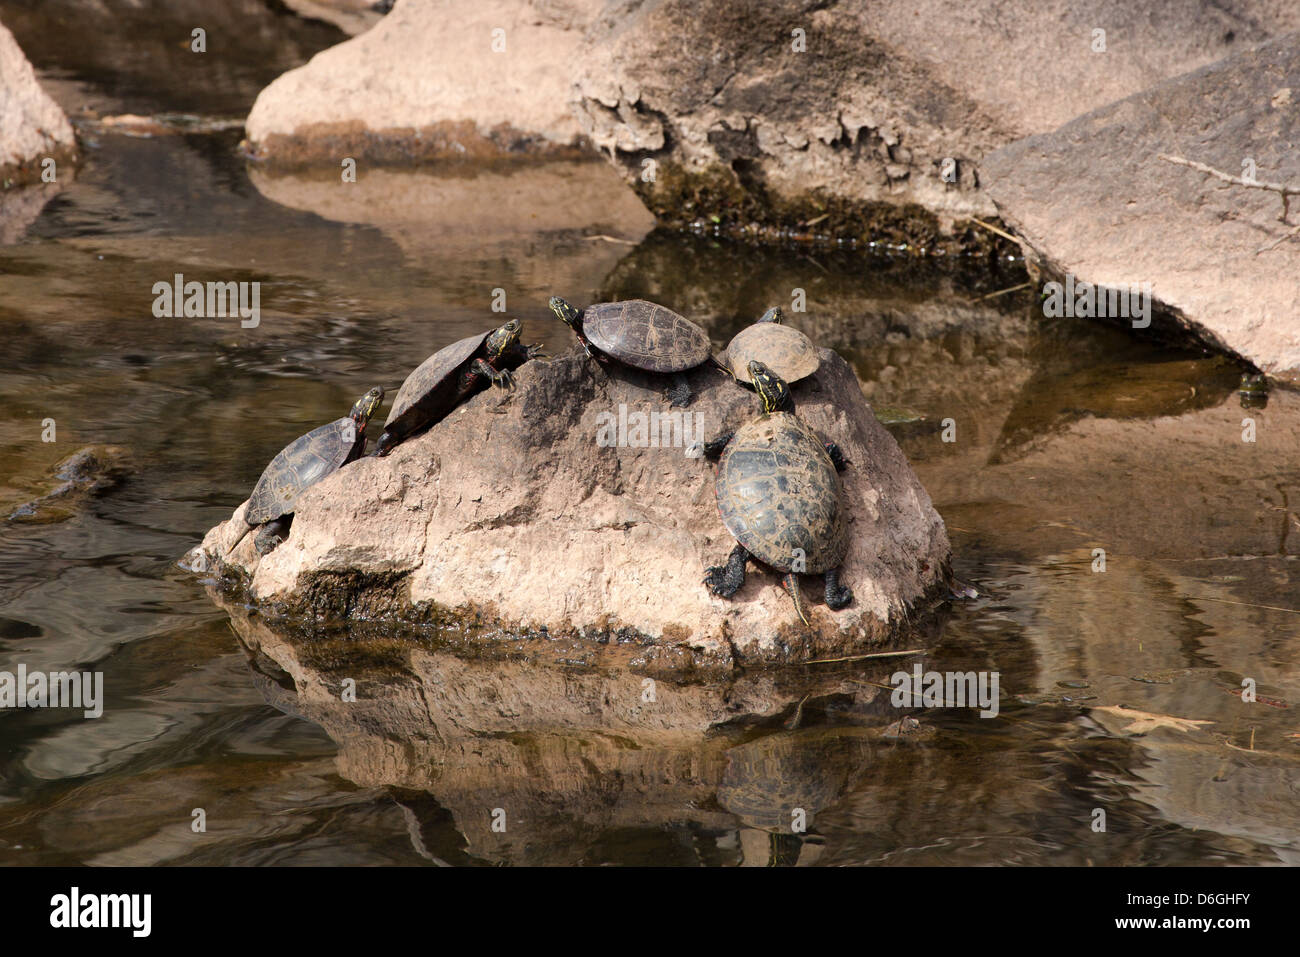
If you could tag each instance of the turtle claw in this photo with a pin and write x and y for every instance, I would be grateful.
(504, 380)
(535, 352)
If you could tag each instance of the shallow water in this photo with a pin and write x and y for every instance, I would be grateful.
(1069, 437)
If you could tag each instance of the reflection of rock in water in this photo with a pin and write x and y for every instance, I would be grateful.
(485, 213)
(519, 757)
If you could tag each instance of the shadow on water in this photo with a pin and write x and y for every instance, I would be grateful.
(1067, 439)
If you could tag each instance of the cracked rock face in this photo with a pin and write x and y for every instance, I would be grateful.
(515, 509)
(870, 101)
(1095, 200)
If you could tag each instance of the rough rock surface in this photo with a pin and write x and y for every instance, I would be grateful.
(426, 81)
(742, 126)
(880, 94)
(32, 126)
(1094, 199)
(509, 508)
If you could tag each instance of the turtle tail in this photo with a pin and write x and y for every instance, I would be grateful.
(247, 528)
(791, 581)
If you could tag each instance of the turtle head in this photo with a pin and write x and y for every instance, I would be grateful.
(565, 311)
(773, 315)
(504, 338)
(771, 387)
(366, 406)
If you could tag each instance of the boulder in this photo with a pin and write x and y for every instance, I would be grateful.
(843, 117)
(431, 79)
(512, 513)
(787, 115)
(32, 126)
(1099, 201)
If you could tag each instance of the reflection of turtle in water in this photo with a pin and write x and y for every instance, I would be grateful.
(301, 464)
(786, 351)
(450, 376)
(780, 495)
(642, 335)
(780, 783)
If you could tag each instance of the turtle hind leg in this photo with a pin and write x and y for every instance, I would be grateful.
(715, 446)
(725, 580)
(837, 596)
(791, 582)
(679, 393)
(272, 534)
(837, 456)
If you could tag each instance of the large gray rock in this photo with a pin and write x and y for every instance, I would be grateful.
(1094, 199)
(510, 513)
(740, 121)
(32, 127)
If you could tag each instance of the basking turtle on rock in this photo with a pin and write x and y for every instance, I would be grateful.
(785, 351)
(301, 464)
(780, 495)
(642, 335)
(450, 376)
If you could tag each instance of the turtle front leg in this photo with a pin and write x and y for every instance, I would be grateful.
(837, 596)
(725, 580)
(837, 456)
(519, 353)
(713, 448)
(680, 395)
(385, 444)
(501, 378)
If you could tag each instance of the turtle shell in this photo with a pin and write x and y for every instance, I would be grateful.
(299, 465)
(645, 335)
(778, 491)
(432, 381)
(787, 352)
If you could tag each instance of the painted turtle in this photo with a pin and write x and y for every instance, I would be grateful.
(450, 376)
(780, 496)
(642, 335)
(301, 464)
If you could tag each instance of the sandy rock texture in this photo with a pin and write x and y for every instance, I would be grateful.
(1095, 199)
(32, 126)
(431, 79)
(510, 509)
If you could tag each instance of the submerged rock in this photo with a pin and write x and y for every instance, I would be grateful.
(86, 472)
(572, 505)
(1097, 201)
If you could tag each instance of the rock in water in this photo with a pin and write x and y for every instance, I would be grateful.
(573, 505)
(1096, 204)
(87, 472)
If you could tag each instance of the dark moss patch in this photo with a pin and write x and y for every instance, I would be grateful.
(732, 203)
